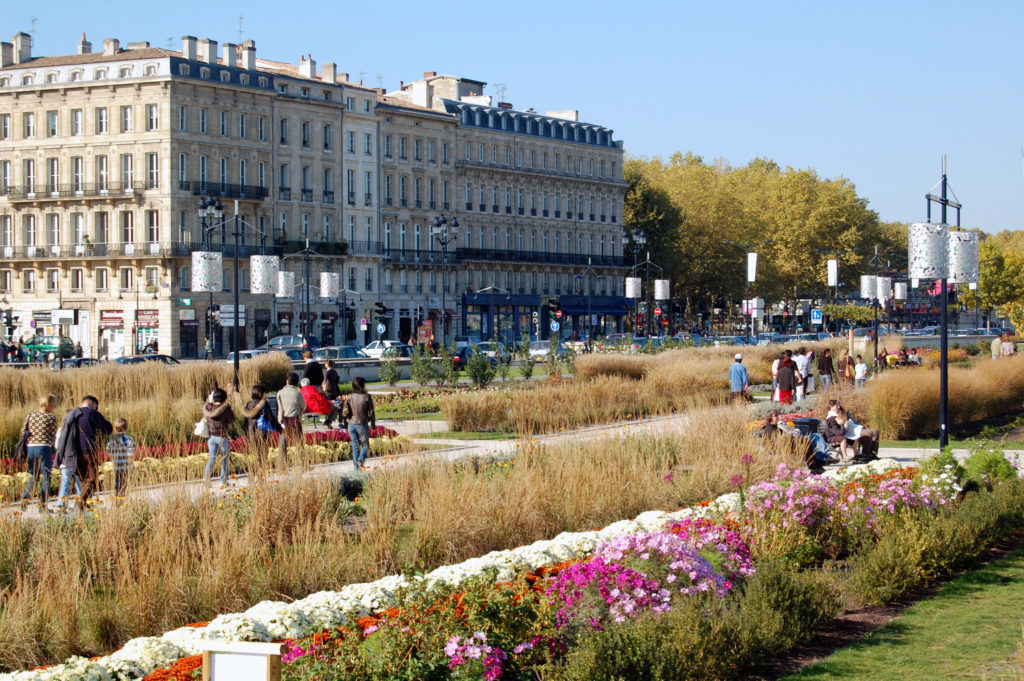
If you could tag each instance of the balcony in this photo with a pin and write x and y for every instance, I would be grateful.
(538, 257)
(74, 191)
(365, 248)
(307, 195)
(591, 217)
(126, 250)
(558, 213)
(225, 190)
(351, 198)
(284, 194)
(602, 218)
(494, 208)
(520, 209)
(411, 256)
(533, 212)
(469, 205)
(579, 216)
(508, 210)
(544, 212)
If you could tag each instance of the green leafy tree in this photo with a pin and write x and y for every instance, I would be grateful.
(480, 369)
(389, 372)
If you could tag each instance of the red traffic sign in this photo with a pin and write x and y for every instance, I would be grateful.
(558, 314)
(657, 310)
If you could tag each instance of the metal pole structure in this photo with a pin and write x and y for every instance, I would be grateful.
(748, 248)
(306, 325)
(874, 306)
(234, 289)
(440, 231)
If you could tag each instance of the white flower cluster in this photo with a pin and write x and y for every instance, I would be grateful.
(274, 620)
(945, 482)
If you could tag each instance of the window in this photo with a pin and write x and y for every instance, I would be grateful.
(327, 228)
(102, 279)
(29, 127)
(350, 103)
(152, 171)
(5, 126)
(387, 146)
(369, 279)
(242, 172)
(6, 231)
(223, 174)
(184, 70)
(76, 122)
(153, 277)
(284, 131)
(182, 118)
(99, 74)
(127, 171)
(53, 229)
(152, 117)
(282, 176)
(444, 153)
(29, 225)
(77, 279)
(52, 280)
(367, 144)
(102, 174)
(127, 282)
(28, 281)
(101, 224)
(204, 172)
(5, 177)
(77, 228)
(182, 171)
(126, 119)
(306, 135)
(366, 106)
(30, 175)
(416, 155)
(52, 175)
(202, 121)
(328, 137)
(52, 124)
(261, 174)
(102, 122)
(261, 128)
(5, 281)
(401, 148)
(127, 227)
(223, 124)
(350, 142)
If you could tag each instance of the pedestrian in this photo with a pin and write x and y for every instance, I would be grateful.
(803, 365)
(78, 449)
(79, 353)
(789, 379)
(313, 370)
(860, 372)
(219, 418)
(208, 349)
(121, 450)
(775, 376)
(997, 347)
(738, 381)
(41, 426)
(260, 424)
(359, 414)
(290, 406)
(844, 370)
(1009, 348)
(826, 369)
(330, 386)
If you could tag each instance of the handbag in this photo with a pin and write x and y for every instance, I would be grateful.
(202, 428)
(21, 449)
(263, 424)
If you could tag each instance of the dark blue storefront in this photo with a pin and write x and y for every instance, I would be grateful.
(508, 317)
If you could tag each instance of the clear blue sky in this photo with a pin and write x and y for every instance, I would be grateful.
(875, 91)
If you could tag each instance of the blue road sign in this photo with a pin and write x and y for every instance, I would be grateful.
(381, 328)
(816, 316)
(555, 326)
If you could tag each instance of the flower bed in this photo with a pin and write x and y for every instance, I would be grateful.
(699, 550)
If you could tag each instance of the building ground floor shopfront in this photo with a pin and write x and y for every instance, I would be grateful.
(509, 317)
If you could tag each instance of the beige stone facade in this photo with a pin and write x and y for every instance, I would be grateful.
(106, 155)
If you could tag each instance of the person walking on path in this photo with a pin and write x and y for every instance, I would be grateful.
(77, 447)
(826, 369)
(290, 406)
(803, 366)
(219, 418)
(331, 382)
(997, 347)
(860, 372)
(358, 412)
(789, 379)
(844, 370)
(41, 426)
(1009, 348)
(260, 422)
(121, 450)
(738, 381)
(208, 349)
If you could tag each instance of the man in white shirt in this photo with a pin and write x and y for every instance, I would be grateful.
(803, 364)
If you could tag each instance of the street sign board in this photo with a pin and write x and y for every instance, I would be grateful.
(364, 327)
(227, 315)
(657, 311)
(816, 316)
(381, 328)
(558, 314)
(363, 322)
(554, 326)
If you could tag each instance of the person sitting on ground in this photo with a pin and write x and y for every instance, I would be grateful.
(317, 403)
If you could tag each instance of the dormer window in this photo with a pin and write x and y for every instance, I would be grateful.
(263, 81)
(151, 70)
(243, 79)
(51, 77)
(204, 73)
(76, 76)
(26, 80)
(99, 74)
(126, 72)
(225, 76)
(184, 70)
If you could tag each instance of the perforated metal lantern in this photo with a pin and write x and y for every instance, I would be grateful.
(868, 286)
(928, 250)
(900, 289)
(207, 271)
(963, 257)
(330, 284)
(833, 272)
(883, 286)
(285, 285)
(662, 289)
(632, 287)
(264, 269)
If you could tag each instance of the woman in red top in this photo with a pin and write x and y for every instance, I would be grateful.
(316, 403)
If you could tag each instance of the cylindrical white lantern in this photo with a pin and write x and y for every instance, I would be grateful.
(285, 284)
(263, 277)
(833, 272)
(928, 250)
(883, 286)
(963, 257)
(972, 286)
(662, 289)
(868, 286)
(751, 267)
(633, 287)
(901, 290)
(207, 271)
(330, 284)
(914, 283)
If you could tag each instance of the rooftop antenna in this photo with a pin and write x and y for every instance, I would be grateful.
(34, 21)
(380, 84)
(240, 18)
(361, 74)
(500, 89)
(170, 42)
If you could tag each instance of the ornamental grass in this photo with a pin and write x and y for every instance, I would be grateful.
(84, 584)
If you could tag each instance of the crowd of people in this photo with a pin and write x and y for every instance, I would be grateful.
(11, 352)
(842, 442)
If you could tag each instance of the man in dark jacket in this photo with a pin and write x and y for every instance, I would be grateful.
(78, 446)
(313, 371)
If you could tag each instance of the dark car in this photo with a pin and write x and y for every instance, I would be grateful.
(339, 352)
(74, 363)
(462, 356)
(294, 342)
(395, 351)
(140, 358)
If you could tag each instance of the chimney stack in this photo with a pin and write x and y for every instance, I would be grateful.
(429, 74)
(6, 54)
(111, 46)
(249, 55)
(188, 47)
(207, 50)
(343, 77)
(230, 55)
(330, 72)
(84, 46)
(22, 47)
(307, 67)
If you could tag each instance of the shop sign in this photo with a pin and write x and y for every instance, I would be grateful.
(111, 319)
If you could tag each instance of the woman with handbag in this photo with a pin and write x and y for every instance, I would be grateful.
(260, 424)
(219, 417)
(39, 434)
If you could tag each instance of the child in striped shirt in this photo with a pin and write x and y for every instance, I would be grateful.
(121, 450)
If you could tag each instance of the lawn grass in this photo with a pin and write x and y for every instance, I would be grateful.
(954, 443)
(970, 629)
(461, 435)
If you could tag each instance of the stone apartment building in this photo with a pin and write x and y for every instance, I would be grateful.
(106, 156)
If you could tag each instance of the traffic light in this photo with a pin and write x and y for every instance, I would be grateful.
(554, 308)
(215, 314)
(380, 311)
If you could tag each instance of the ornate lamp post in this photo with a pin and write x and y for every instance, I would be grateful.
(445, 233)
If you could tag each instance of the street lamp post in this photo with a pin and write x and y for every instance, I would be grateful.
(639, 238)
(748, 249)
(211, 212)
(588, 273)
(445, 233)
(874, 262)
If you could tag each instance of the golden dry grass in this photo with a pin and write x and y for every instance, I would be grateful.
(905, 403)
(86, 585)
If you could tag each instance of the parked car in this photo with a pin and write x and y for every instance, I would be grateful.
(770, 337)
(495, 350)
(463, 341)
(462, 356)
(293, 355)
(616, 338)
(541, 349)
(734, 340)
(74, 363)
(339, 352)
(295, 342)
(376, 348)
(139, 359)
(49, 345)
(397, 350)
(245, 354)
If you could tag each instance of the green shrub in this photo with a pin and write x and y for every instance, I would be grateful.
(421, 368)
(943, 462)
(526, 367)
(389, 372)
(480, 369)
(987, 464)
